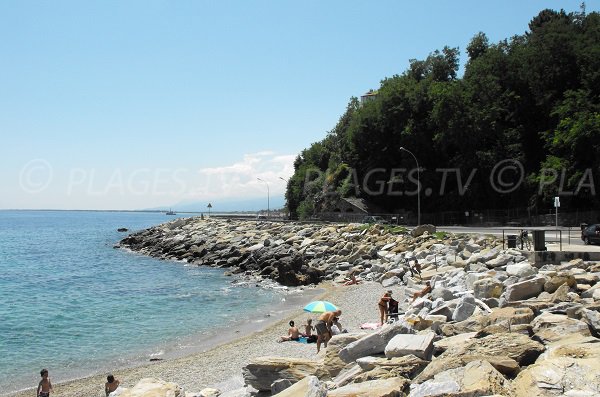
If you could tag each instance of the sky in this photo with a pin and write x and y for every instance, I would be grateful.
(153, 103)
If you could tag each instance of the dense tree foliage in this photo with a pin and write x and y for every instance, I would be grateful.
(531, 99)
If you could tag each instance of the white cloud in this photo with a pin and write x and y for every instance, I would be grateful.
(239, 180)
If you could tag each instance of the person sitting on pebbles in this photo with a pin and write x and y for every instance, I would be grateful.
(308, 328)
(293, 334)
(111, 384)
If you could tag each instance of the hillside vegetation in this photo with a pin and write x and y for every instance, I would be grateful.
(532, 98)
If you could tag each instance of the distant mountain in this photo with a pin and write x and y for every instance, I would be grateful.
(227, 205)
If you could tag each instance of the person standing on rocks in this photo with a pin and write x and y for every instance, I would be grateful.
(323, 327)
(383, 306)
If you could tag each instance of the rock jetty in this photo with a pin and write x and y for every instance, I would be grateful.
(294, 254)
(492, 325)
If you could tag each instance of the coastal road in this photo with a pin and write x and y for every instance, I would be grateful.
(570, 237)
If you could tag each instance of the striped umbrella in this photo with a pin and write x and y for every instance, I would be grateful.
(320, 307)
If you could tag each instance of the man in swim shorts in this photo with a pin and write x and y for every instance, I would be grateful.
(323, 327)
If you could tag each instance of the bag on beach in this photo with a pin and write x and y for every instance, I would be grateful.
(311, 339)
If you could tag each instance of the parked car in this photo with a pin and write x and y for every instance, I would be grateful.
(374, 219)
(591, 234)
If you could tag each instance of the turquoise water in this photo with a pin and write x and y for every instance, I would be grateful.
(72, 303)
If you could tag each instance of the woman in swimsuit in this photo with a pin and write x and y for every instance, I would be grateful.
(383, 306)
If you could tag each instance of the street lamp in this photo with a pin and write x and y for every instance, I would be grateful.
(418, 186)
(268, 196)
(283, 179)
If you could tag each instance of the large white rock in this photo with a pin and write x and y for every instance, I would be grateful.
(151, 387)
(524, 289)
(477, 378)
(390, 387)
(261, 372)
(500, 260)
(521, 269)
(487, 288)
(420, 345)
(550, 327)
(464, 309)
(374, 343)
(307, 387)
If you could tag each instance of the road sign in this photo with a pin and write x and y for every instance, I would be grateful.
(556, 202)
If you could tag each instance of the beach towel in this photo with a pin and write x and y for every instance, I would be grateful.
(303, 339)
(370, 326)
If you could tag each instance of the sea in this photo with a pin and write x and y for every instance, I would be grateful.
(72, 303)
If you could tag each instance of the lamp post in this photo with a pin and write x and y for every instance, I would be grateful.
(283, 179)
(268, 196)
(418, 186)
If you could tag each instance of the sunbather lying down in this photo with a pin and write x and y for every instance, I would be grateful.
(352, 280)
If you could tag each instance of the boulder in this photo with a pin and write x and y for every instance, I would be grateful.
(406, 367)
(443, 293)
(209, 392)
(500, 260)
(477, 378)
(571, 367)
(464, 309)
(524, 289)
(347, 375)
(391, 387)
(281, 384)
(487, 288)
(420, 345)
(549, 327)
(556, 281)
(261, 372)
(151, 387)
(442, 345)
(510, 315)
(521, 269)
(395, 280)
(419, 230)
(374, 343)
(472, 324)
(516, 346)
(503, 364)
(332, 361)
(307, 387)
(592, 319)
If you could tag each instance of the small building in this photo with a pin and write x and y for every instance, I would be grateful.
(351, 209)
(368, 97)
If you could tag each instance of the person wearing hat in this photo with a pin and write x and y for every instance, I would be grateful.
(383, 306)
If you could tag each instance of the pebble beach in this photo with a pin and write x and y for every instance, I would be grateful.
(221, 366)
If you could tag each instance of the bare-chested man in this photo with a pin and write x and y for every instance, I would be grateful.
(323, 327)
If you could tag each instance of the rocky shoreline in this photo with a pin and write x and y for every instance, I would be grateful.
(493, 324)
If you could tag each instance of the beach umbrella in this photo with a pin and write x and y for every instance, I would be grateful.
(320, 307)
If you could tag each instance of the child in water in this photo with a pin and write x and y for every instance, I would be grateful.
(45, 386)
